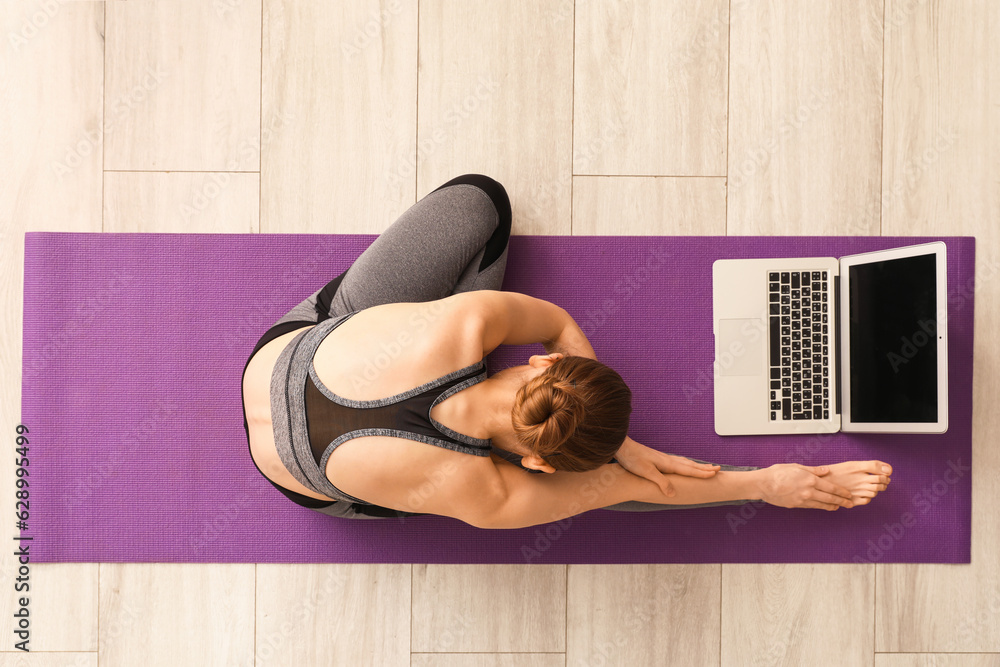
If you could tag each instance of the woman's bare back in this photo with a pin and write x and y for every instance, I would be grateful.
(377, 353)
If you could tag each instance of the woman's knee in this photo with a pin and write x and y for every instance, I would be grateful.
(493, 189)
(497, 242)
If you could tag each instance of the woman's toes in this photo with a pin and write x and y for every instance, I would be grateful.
(880, 468)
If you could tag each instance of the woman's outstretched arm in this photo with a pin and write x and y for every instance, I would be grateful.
(528, 500)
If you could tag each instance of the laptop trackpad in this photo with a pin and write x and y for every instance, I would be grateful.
(740, 348)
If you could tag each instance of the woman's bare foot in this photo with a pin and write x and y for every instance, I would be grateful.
(864, 479)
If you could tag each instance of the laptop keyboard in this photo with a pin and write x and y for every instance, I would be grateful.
(799, 309)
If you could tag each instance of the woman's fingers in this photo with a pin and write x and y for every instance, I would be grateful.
(831, 488)
(655, 475)
(815, 504)
(697, 472)
(685, 466)
(831, 499)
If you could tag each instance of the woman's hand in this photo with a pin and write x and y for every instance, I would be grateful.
(794, 485)
(654, 465)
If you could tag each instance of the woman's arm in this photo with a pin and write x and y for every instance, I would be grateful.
(528, 500)
(511, 318)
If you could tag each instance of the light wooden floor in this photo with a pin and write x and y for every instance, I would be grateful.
(601, 117)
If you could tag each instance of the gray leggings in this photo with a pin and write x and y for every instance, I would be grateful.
(453, 240)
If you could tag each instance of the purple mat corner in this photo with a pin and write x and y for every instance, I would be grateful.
(134, 346)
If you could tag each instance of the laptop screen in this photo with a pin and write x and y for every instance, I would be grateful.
(894, 342)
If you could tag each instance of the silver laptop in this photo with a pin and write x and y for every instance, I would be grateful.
(818, 345)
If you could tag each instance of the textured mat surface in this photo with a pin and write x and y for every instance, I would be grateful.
(134, 345)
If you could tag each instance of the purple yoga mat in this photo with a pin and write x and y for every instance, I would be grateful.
(134, 345)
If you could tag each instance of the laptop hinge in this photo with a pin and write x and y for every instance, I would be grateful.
(836, 352)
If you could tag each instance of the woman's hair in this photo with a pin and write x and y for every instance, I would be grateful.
(574, 414)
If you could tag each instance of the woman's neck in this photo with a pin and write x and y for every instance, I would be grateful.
(483, 410)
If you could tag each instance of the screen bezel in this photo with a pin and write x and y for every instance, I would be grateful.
(939, 250)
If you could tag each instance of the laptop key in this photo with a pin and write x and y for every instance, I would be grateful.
(786, 408)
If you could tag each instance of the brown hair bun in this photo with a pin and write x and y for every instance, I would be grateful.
(574, 415)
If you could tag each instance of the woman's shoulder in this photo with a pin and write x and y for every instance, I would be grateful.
(389, 349)
(413, 476)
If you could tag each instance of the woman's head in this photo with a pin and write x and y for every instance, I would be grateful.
(574, 415)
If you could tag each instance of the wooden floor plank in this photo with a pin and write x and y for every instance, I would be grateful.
(805, 117)
(650, 87)
(495, 98)
(339, 115)
(183, 85)
(52, 64)
(941, 169)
